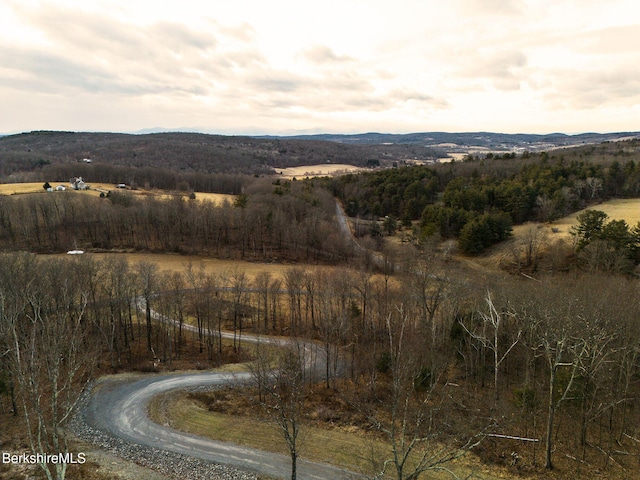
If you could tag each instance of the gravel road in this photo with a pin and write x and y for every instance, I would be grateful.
(114, 417)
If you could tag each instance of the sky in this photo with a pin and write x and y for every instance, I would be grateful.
(293, 67)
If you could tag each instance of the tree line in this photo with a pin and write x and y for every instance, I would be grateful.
(138, 177)
(294, 220)
(486, 196)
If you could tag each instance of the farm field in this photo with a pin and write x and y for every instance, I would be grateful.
(173, 263)
(318, 170)
(19, 188)
(98, 188)
(627, 209)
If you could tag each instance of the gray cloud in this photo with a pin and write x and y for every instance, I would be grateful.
(321, 54)
(503, 70)
(88, 52)
(463, 54)
(592, 89)
(610, 41)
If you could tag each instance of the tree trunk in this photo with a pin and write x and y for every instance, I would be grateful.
(550, 418)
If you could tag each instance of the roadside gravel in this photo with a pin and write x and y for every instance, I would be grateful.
(169, 465)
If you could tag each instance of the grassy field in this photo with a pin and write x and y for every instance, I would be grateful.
(173, 263)
(18, 188)
(348, 448)
(98, 188)
(627, 209)
(329, 169)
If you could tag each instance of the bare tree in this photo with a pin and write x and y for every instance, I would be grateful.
(52, 357)
(408, 421)
(197, 279)
(148, 278)
(239, 283)
(525, 250)
(294, 281)
(282, 387)
(262, 281)
(490, 333)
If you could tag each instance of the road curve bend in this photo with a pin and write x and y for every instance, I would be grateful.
(119, 409)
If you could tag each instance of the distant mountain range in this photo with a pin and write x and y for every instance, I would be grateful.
(440, 140)
(208, 153)
(447, 140)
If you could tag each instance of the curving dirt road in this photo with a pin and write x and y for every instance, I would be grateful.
(119, 409)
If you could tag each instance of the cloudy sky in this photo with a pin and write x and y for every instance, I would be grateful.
(348, 66)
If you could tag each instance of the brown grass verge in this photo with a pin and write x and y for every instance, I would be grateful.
(231, 416)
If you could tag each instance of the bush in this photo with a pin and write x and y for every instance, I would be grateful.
(383, 364)
(423, 380)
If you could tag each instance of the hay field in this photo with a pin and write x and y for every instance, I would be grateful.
(174, 262)
(627, 209)
(321, 170)
(217, 198)
(19, 188)
(98, 188)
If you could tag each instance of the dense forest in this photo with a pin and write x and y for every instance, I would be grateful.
(478, 201)
(291, 220)
(189, 152)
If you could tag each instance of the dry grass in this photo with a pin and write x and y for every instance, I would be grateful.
(178, 263)
(553, 233)
(329, 169)
(627, 209)
(174, 263)
(347, 448)
(98, 188)
(217, 198)
(18, 188)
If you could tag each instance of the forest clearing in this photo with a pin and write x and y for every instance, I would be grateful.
(102, 188)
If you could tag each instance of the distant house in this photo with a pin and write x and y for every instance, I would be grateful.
(121, 185)
(78, 184)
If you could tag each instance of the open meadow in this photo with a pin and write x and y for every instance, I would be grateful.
(175, 263)
(627, 209)
(98, 188)
(321, 170)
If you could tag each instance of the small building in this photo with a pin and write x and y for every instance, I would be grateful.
(61, 188)
(78, 184)
(121, 185)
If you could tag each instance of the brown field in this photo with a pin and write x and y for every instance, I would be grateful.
(98, 188)
(552, 232)
(174, 262)
(330, 169)
(17, 188)
(627, 209)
